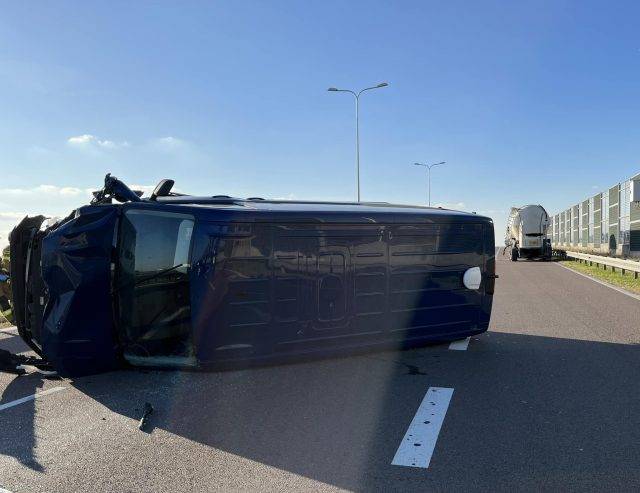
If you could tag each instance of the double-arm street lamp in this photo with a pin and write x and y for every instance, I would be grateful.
(357, 96)
(429, 166)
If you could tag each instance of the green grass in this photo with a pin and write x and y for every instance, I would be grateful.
(615, 278)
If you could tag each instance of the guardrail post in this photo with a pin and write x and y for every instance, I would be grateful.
(625, 265)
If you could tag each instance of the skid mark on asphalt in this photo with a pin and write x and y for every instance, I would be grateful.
(419, 442)
(30, 398)
(460, 345)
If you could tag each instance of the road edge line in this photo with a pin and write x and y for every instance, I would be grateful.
(615, 288)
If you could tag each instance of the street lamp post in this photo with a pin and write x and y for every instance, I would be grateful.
(429, 166)
(357, 96)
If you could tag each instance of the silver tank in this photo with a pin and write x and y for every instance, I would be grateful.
(527, 227)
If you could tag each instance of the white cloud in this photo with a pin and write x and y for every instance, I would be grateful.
(70, 191)
(49, 191)
(458, 206)
(81, 139)
(12, 215)
(169, 142)
(88, 140)
(48, 200)
(288, 197)
(41, 190)
(8, 220)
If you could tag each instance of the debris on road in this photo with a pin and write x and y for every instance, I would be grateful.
(148, 411)
(21, 365)
(33, 368)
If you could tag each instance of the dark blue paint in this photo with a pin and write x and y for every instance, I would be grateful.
(272, 280)
(77, 330)
(280, 282)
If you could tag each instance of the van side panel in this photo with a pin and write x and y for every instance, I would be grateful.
(427, 297)
(263, 290)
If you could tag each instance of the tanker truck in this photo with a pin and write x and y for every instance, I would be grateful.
(527, 233)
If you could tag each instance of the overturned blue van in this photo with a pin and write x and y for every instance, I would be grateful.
(180, 281)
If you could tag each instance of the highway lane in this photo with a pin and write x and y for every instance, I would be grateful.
(547, 400)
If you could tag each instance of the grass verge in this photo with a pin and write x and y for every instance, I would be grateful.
(615, 278)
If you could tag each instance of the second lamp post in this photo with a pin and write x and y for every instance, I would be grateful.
(429, 166)
(357, 96)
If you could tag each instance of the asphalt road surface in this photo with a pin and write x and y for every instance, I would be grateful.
(547, 400)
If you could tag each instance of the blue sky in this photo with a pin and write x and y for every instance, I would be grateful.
(525, 101)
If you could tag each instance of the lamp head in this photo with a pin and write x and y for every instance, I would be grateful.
(383, 84)
(332, 89)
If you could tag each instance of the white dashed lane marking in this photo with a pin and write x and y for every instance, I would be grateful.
(30, 398)
(419, 441)
(460, 345)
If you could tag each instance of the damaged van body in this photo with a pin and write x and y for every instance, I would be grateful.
(181, 281)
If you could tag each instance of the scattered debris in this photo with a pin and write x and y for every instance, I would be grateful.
(21, 365)
(34, 368)
(148, 411)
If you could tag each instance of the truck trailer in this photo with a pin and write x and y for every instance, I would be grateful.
(526, 235)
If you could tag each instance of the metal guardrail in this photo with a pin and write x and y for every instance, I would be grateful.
(613, 263)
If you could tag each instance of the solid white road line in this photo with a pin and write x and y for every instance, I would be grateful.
(9, 330)
(460, 345)
(30, 397)
(419, 441)
(615, 288)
